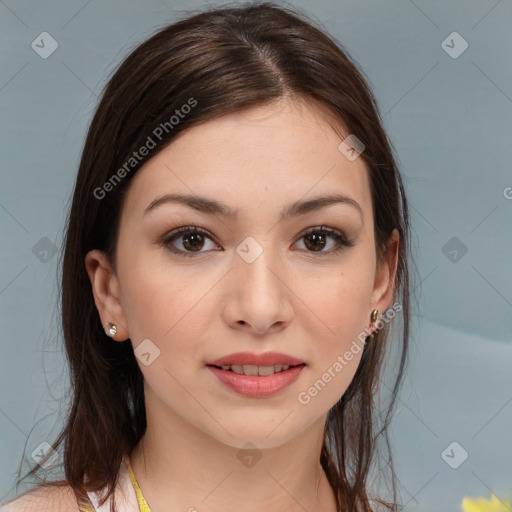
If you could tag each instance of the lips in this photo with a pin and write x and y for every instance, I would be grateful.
(258, 386)
(253, 359)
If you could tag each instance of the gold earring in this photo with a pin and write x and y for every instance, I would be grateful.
(374, 315)
(111, 330)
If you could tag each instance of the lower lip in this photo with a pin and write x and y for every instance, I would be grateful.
(255, 386)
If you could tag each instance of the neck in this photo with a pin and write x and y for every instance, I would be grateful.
(180, 467)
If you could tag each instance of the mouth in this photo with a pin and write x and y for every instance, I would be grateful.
(254, 370)
(254, 381)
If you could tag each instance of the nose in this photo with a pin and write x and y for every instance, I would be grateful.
(259, 296)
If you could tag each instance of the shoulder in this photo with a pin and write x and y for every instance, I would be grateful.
(52, 499)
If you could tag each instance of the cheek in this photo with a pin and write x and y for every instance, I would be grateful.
(164, 304)
(162, 311)
(341, 299)
(342, 305)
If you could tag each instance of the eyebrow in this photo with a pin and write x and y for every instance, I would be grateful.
(213, 207)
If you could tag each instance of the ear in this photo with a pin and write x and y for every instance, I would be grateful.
(105, 288)
(383, 287)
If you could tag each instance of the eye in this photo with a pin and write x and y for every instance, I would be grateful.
(192, 239)
(315, 240)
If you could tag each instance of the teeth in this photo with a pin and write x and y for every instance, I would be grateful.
(251, 369)
(266, 370)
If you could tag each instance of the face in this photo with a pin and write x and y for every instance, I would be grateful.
(303, 285)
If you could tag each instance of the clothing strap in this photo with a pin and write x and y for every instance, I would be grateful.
(143, 506)
(130, 494)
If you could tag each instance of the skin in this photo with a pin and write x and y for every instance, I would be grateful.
(291, 299)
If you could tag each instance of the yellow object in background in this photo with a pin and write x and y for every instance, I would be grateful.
(484, 505)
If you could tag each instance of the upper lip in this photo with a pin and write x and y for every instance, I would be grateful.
(264, 359)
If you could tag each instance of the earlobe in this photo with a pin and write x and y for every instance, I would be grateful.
(105, 289)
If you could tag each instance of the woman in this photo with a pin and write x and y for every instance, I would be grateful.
(235, 252)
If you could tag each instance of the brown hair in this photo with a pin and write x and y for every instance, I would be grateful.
(218, 62)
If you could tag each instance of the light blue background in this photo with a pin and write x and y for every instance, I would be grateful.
(450, 120)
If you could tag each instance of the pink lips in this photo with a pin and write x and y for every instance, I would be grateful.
(257, 386)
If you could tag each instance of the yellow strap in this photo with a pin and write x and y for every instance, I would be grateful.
(143, 506)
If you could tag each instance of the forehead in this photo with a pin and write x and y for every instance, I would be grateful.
(255, 158)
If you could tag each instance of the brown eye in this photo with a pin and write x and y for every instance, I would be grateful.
(192, 238)
(193, 241)
(316, 240)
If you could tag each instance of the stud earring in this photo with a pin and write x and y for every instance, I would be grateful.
(374, 315)
(111, 331)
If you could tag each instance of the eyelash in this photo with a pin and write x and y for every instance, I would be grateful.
(341, 240)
